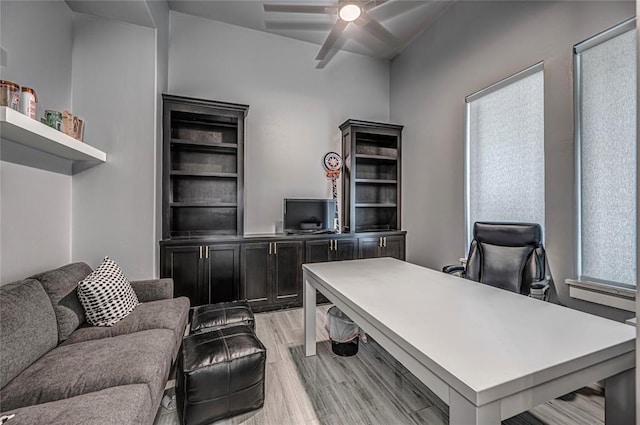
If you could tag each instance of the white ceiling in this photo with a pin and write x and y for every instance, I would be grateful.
(405, 19)
(134, 12)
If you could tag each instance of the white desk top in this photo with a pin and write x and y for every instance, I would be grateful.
(485, 342)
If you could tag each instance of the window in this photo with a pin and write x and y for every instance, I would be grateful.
(605, 111)
(505, 151)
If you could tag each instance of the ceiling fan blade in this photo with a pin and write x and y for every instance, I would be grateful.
(332, 52)
(300, 8)
(332, 38)
(297, 26)
(328, 58)
(373, 3)
(376, 29)
(391, 9)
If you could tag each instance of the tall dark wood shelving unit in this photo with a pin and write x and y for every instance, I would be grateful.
(203, 247)
(371, 180)
(203, 167)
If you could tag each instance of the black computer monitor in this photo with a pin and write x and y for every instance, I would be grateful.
(309, 215)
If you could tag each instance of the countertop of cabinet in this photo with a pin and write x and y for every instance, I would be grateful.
(259, 237)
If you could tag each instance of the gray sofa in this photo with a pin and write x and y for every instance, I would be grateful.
(57, 369)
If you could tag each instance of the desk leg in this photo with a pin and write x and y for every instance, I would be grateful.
(462, 411)
(309, 301)
(620, 399)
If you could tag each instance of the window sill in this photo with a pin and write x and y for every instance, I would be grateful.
(600, 293)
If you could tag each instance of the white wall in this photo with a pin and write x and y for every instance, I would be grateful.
(638, 223)
(160, 13)
(35, 215)
(35, 201)
(114, 86)
(295, 110)
(38, 37)
(474, 45)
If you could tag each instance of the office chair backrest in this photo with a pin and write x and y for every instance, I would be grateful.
(507, 255)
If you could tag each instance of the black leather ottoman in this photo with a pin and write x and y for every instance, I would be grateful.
(220, 373)
(211, 316)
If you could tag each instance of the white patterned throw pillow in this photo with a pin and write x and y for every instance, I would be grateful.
(106, 295)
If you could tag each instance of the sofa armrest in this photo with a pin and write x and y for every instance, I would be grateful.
(153, 289)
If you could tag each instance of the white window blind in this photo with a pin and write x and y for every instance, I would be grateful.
(505, 151)
(606, 140)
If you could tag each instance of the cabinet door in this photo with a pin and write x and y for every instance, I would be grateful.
(287, 276)
(318, 251)
(256, 271)
(394, 247)
(223, 272)
(347, 249)
(369, 247)
(184, 265)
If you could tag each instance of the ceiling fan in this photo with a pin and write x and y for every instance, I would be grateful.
(355, 12)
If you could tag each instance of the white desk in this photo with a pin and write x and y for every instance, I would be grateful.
(488, 353)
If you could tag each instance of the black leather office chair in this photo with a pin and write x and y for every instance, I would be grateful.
(509, 256)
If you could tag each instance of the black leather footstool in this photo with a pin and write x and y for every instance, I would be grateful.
(211, 316)
(220, 373)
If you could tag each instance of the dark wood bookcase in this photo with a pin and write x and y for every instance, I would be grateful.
(203, 247)
(371, 153)
(203, 156)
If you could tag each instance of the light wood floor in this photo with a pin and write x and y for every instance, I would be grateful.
(368, 388)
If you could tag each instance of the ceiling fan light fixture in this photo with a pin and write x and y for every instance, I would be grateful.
(349, 12)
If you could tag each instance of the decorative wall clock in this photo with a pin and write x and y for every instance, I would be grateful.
(333, 163)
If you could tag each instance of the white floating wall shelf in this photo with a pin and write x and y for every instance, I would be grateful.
(21, 129)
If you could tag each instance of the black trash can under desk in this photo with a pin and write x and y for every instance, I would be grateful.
(343, 333)
(219, 374)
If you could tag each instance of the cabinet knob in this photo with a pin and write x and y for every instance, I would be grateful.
(335, 245)
(385, 242)
(275, 248)
(206, 252)
(270, 244)
(200, 248)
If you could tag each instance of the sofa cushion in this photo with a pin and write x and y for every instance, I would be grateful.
(75, 369)
(29, 329)
(128, 404)
(163, 314)
(60, 284)
(106, 294)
